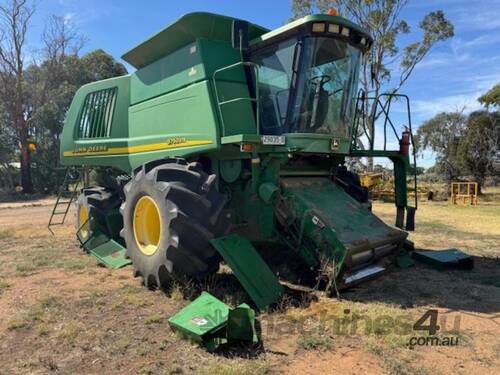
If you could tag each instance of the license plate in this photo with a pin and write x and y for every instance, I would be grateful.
(273, 140)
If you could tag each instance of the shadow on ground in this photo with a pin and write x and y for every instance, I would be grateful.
(477, 290)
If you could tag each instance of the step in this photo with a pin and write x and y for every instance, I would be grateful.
(59, 213)
(250, 269)
(63, 202)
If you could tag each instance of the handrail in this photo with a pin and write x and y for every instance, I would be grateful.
(231, 101)
(384, 109)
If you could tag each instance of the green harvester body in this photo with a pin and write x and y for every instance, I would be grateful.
(232, 95)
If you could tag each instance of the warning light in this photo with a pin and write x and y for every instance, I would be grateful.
(246, 147)
(333, 12)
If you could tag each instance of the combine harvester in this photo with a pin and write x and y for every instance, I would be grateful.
(228, 135)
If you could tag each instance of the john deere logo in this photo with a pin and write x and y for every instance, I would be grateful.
(335, 144)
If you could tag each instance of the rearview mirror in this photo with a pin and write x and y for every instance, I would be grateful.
(240, 35)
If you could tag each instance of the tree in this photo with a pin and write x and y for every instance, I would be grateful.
(492, 97)
(382, 19)
(15, 17)
(479, 144)
(442, 134)
(71, 73)
(6, 153)
(99, 65)
(36, 95)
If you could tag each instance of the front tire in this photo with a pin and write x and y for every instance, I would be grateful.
(171, 211)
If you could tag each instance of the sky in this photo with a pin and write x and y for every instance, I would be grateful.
(452, 76)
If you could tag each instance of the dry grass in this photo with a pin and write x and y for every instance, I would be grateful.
(61, 312)
(439, 225)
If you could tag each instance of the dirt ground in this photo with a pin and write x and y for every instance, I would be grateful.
(62, 313)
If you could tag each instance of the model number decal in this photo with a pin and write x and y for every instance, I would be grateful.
(176, 141)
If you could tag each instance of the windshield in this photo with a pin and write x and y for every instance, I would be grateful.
(319, 97)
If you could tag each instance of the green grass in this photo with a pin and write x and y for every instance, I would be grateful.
(49, 302)
(25, 269)
(401, 366)
(76, 262)
(315, 342)
(27, 318)
(153, 319)
(44, 329)
(395, 362)
(4, 284)
(70, 331)
(6, 233)
(94, 298)
(237, 368)
(38, 313)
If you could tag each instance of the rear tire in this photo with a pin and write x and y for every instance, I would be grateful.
(171, 211)
(95, 202)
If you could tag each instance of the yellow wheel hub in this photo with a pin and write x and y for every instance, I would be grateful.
(83, 216)
(147, 225)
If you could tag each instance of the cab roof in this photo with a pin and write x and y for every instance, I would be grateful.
(302, 23)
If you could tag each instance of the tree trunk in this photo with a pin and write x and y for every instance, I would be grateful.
(371, 134)
(26, 182)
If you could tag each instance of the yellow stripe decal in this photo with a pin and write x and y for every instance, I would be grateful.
(104, 150)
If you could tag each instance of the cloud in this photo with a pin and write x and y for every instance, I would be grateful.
(429, 108)
(482, 16)
(488, 39)
(68, 17)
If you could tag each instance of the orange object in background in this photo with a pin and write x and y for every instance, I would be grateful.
(333, 12)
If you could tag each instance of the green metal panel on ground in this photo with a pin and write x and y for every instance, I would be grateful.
(202, 318)
(250, 269)
(210, 322)
(111, 254)
(241, 324)
(107, 251)
(441, 259)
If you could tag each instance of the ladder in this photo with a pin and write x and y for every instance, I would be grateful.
(73, 179)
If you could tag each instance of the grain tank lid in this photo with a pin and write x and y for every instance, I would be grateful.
(185, 30)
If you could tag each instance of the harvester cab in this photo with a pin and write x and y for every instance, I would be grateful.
(229, 135)
(307, 81)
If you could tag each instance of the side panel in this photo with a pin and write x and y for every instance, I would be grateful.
(184, 121)
(177, 124)
(195, 62)
(171, 72)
